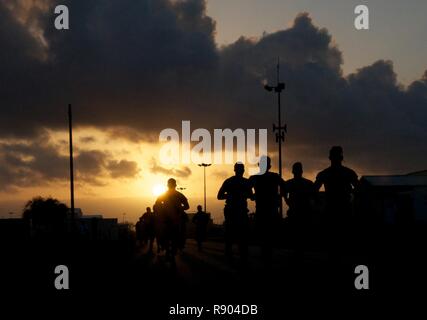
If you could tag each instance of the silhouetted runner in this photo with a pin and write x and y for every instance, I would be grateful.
(339, 183)
(235, 191)
(148, 228)
(183, 232)
(139, 232)
(171, 206)
(299, 196)
(201, 220)
(158, 227)
(269, 188)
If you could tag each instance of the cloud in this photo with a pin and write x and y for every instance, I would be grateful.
(89, 166)
(116, 69)
(87, 139)
(123, 169)
(182, 172)
(156, 63)
(41, 163)
(26, 164)
(369, 113)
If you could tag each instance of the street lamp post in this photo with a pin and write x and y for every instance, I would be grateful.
(204, 165)
(280, 130)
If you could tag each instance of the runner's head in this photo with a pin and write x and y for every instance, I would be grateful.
(297, 169)
(264, 164)
(239, 169)
(336, 155)
(171, 184)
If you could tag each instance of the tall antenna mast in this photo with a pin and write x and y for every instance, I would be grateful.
(280, 130)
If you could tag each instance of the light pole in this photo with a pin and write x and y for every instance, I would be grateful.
(204, 165)
(280, 130)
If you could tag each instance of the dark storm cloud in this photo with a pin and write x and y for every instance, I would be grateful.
(136, 67)
(380, 124)
(121, 63)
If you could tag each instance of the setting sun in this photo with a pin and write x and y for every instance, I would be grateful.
(158, 189)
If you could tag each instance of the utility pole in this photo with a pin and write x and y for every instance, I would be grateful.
(280, 130)
(70, 127)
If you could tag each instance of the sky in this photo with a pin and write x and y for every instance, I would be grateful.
(133, 68)
(396, 28)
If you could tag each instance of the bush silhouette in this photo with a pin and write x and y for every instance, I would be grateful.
(46, 215)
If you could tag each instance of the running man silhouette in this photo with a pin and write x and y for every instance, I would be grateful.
(201, 220)
(148, 228)
(269, 188)
(171, 206)
(299, 193)
(339, 182)
(299, 196)
(139, 232)
(236, 191)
